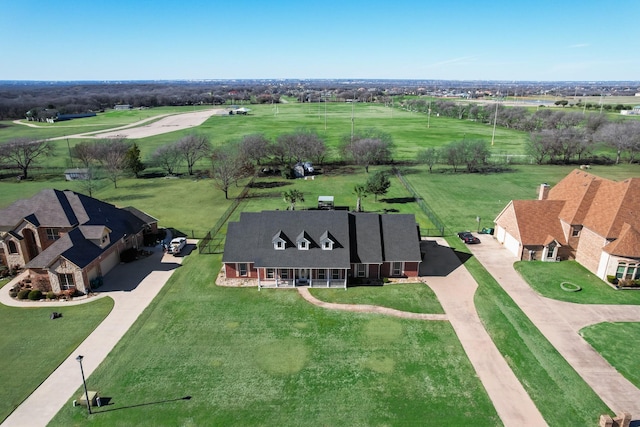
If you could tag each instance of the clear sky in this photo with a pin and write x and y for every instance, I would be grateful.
(401, 39)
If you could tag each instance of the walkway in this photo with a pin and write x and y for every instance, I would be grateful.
(455, 291)
(560, 322)
(132, 286)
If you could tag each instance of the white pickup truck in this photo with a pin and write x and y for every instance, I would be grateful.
(176, 245)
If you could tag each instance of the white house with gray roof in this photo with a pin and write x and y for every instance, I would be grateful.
(321, 248)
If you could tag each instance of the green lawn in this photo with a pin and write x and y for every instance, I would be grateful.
(545, 278)
(32, 345)
(618, 344)
(412, 297)
(270, 358)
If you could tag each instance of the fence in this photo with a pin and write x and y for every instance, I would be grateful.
(437, 222)
(212, 242)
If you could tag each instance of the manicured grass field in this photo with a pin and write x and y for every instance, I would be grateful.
(249, 357)
(32, 345)
(561, 395)
(411, 297)
(545, 278)
(618, 344)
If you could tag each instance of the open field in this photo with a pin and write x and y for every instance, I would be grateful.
(617, 343)
(32, 346)
(270, 358)
(545, 278)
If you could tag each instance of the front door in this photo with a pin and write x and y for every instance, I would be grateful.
(303, 276)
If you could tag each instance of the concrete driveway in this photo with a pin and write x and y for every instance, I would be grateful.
(132, 286)
(560, 322)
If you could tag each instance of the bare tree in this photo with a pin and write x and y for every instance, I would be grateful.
(85, 152)
(193, 148)
(428, 156)
(228, 165)
(23, 153)
(623, 136)
(369, 148)
(167, 157)
(301, 145)
(255, 147)
(112, 155)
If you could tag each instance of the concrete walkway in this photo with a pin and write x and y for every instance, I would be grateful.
(455, 288)
(560, 322)
(132, 286)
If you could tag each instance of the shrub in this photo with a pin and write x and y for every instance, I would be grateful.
(386, 280)
(35, 295)
(288, 174)
(612, 279)
(23, 294)
(13, 293)
(51, 295)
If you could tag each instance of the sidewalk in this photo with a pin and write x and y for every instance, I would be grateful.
(560, 323)
(132, 286)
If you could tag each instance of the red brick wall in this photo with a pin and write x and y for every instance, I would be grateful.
(411, 269)
(231, 271)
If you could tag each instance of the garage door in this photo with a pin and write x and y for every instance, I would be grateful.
(108, 263)
(500, 233)
(512, 244)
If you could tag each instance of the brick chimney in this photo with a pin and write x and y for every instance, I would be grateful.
(543, 192)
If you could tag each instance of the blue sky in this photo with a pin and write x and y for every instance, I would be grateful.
(402, 39)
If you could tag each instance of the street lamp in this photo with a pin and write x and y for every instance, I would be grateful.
(84, 383)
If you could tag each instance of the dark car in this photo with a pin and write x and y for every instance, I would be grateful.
(468, 238)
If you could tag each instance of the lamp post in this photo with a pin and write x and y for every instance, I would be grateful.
(84, 383)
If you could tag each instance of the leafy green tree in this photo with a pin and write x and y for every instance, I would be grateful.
(292, 197)
(378, 184)
(134, 164)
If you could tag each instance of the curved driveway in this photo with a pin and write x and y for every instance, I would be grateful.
(560, 322)
(132, 286)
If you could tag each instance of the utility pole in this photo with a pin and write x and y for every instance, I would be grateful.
(495, 120)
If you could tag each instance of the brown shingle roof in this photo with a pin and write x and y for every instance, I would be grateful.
(538, 221)
(628, 244)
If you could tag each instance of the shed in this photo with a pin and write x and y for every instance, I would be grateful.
(325, 202)
(76, 173)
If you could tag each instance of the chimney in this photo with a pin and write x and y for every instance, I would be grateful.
(543, 193)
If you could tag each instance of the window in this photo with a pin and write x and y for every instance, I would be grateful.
(396, 269)
(575, 230)
(302, 245)
(270, 273)
(53, 234)
(322, 274)
(335, 274)
(361, 270)
(628, 270)
(242, 269)
(66, 281)
(284, 274)
(327, 245)
(11, 247)
(279, 244)
(551, 250)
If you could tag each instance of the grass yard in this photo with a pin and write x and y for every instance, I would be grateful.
(545, 278)
(270, 358)
(411, 297)
(32, 345)
(543, 372)
(617, 344)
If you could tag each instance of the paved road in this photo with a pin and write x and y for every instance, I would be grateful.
(132, 286)
(561, 322)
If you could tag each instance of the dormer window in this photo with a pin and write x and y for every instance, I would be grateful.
(326, 241)
(303, 241)
(53, 234)
(279, 241)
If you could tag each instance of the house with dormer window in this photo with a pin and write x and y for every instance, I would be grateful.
(583, 217)
(68, 239)
(320, 248)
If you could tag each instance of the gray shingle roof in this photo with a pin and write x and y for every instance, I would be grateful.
(359, 238)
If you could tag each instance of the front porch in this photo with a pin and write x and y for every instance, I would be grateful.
(309, 277)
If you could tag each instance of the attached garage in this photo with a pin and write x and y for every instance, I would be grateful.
(109, 262)
(509, 242)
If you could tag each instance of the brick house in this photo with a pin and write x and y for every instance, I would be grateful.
(584, 217)
(68, 239)
(321, 248)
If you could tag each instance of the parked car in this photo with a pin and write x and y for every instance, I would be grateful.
(177, 244)
(468, 238)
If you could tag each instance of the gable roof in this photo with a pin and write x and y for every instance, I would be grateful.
(538, 222)
(627, 244)
(358, 238)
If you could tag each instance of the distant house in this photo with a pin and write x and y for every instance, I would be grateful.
(635, 111)
(325, 202)
(122, 107)
(76, 174)
(67, 239)
(584, 217)
(321, 248)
